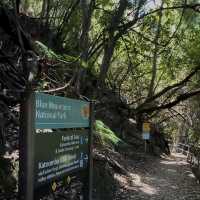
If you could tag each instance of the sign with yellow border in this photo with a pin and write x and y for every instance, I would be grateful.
(146, 127)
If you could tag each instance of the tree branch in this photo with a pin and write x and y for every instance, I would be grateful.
(167, 89)
(180, 98)
(125, 27)
(59, 88)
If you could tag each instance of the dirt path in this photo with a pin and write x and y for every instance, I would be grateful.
(159, 179)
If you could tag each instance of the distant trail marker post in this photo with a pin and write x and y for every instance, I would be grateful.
(55, 143)
(146, 134)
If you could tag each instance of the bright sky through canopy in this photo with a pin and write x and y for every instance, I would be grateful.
(153, 4)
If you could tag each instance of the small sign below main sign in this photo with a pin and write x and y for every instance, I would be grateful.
(145, 136)
(59, 153)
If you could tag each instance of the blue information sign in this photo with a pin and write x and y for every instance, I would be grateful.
(59, 112)
(145, 136)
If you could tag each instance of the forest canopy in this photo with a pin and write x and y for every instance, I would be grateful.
(145, 53)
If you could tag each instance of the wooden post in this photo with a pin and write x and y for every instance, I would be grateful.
(26, 144)
(89, 184)
(145, 146)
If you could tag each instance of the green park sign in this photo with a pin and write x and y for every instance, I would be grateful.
(64, 152)
(55, 142)
(60, 112)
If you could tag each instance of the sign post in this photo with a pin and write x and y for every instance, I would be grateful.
(90, 169)
(26, 144)
(146, 134)
(55, 142)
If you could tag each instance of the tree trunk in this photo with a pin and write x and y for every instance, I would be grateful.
(43, 11)
(155, 55)
(108, 53)
(47, 13)
(110, 44)
(87, 10)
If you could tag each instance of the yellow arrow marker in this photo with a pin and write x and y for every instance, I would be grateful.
(68, 179)
(54, 186)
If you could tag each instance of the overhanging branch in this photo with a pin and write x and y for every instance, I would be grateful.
(167, 89)
(125, 27)
(180, 98)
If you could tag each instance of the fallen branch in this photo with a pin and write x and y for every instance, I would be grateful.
(114, 164)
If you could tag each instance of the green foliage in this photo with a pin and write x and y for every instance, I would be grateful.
(130, 68)
(107, 136)
(44, 51)
(48, 53)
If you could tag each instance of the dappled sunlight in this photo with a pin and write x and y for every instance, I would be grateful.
(173, 187)
(166, 176)
(175, 159)
(191, 175)
(136, 184)
(148, 189)
(179, 155)
(135, 178)
(165, 162)
(171, 170)
(168, 162)
(144, 187)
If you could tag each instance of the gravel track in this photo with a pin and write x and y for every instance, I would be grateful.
(167, 178)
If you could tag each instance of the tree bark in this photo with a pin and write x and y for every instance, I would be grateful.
(43, 11)
(108, 53)
(87, 10)
(110, 42)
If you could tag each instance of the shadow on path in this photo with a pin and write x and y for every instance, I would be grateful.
(159, 179)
